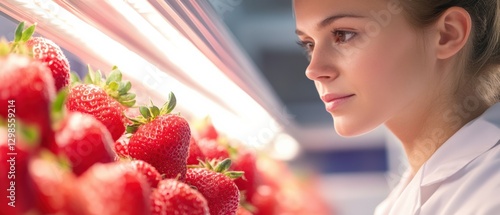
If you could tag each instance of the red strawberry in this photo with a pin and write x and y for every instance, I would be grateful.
(175, 197)
(113, 188)
(206, 130)
(47, 52)
(53, 187)
(243, 211)
(16, 198)
(216, 184)
(246, 162)
(85, 141)
(161, 139)
(152, 175)
(121, 146)
(265, 200)
(106, 101)
(195, 153)
(212, 149)
(27, 89)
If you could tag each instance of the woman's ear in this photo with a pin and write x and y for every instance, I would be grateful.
(454, 28)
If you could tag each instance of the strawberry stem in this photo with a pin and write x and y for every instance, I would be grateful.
(113, 85)
(150, 113)
(220, 167)
(21, 36)
(58, 105)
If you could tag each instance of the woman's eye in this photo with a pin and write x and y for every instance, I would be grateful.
(308, 46)
(342, 36)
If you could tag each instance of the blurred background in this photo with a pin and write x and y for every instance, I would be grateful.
(353, 174)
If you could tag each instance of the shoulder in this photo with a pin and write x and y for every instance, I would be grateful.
(477, 185)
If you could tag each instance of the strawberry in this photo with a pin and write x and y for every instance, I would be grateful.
(213, 149)
(105, 100)
(195, 153)
(265, 200)
(175, 197)
(246, 162)
(121, 146)
(85, 141)
(161, 139)
(26, 84)
(53, 186)
(16, 198)
(243, 211)
(152, 175)
(216, 184)
(114, 188)
(206, 130)
(45, 51)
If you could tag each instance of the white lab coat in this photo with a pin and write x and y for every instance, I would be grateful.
(461, 178)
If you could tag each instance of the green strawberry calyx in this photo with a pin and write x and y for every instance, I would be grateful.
(150, 113)
(114, 86)
(21, 36)
(30, 134)
(4, 47)
(220, 167)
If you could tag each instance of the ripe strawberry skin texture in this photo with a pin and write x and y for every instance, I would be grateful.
(85, 141)
(152, 175)
(93, 100)
(243, 211)
(114, 189)
(53, 187)
(121, 146)
(51, 54)
(164, 143)
(213, 150)
(28, 87)
(194, 152)
(246, 162)
(175, 197)
(220, 191)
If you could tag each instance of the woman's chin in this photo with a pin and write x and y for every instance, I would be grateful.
(351, 129)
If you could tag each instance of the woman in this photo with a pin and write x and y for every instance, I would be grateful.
(429, 71)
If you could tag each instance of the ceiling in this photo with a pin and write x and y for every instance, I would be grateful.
(265, 30)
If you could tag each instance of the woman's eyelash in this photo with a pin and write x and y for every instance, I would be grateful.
(303, 44)
(341, 36)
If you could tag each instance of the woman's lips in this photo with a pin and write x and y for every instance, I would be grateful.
(333, 101)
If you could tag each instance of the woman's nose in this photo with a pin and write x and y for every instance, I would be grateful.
(321, 66)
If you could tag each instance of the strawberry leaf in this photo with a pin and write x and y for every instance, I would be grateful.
(128, 103)
(74, 78)
(169, 105)
(115, 76)
(155, 111)
(58, 105)
(30, 134)
(234, 174)
(223, 165)
(131, 129)
(144, 112)
(124, 87)
(26, 35)
(113, 87)
(19, 32)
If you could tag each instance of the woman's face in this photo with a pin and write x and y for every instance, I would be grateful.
(367, 62)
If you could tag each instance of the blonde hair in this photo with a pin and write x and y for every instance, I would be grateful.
(481, 56)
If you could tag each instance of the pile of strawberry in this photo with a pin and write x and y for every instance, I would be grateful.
(83, 147)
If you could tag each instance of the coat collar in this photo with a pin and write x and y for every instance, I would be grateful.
(473, 139)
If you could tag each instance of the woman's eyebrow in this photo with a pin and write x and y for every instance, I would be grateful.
(336, 17)
(327, 21)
